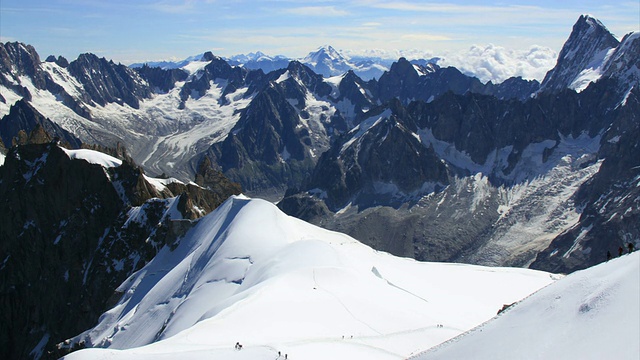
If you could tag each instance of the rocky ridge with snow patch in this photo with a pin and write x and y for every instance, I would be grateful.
(74, 224)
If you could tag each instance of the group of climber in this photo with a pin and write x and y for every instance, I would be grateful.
(630, 248)
(239, 347)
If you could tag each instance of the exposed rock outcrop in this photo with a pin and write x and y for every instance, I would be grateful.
(72, 232)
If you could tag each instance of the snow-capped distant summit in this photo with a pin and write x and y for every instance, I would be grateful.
(323, 53)
(168, 64)
(582, 57)
(259, 60)
(328, 62)
(252, 56)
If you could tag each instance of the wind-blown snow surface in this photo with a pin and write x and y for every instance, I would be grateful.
(590, 314)
(249, 273)
(93, 157)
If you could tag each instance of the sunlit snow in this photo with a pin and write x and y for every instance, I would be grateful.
(248, 273)
(590, 314)
(93, 157)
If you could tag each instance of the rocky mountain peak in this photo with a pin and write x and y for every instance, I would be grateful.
(107, 82)
(307, 77)
(586, 49)
(403, 67)
(15, 56)
(208, 56)
(21, 59)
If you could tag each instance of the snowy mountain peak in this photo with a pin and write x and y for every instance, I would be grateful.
(587, 20)
(328, 62)
(582, 56)
(323, 54)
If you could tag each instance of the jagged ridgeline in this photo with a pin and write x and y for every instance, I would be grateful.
(417, 135)
(546, 181)
(264, 130)
(74, 224)
(423, 161)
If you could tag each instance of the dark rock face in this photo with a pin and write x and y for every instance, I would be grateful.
(381, 161)
(358, 92)
(266, 148)
(60, 61)
(611, 215)
(215, 70)
(385, 150)
(513, 88)
(301, 74)
(401, 81)
(105, 82)
(55, 212)
(209, 178)
(307, 208)
(623, 65)
(479, 124)
(160, 79)
(24, 59)
(409, 82)
(23, 119)
(68, 236)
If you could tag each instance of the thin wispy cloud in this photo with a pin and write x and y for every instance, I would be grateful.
(451, 8)
(425, 37)
(172, 7)
(318, 11)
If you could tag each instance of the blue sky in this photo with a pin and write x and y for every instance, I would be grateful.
(131, 31)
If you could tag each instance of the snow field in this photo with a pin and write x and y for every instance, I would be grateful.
(590, 314)
(248, 273)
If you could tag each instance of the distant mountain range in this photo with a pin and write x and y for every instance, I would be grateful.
(490, 63)
(325, 61)
(423, 161)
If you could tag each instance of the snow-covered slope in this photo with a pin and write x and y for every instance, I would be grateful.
(590, 314)
(248, 273)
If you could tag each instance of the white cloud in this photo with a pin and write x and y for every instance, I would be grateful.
(497, 63)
